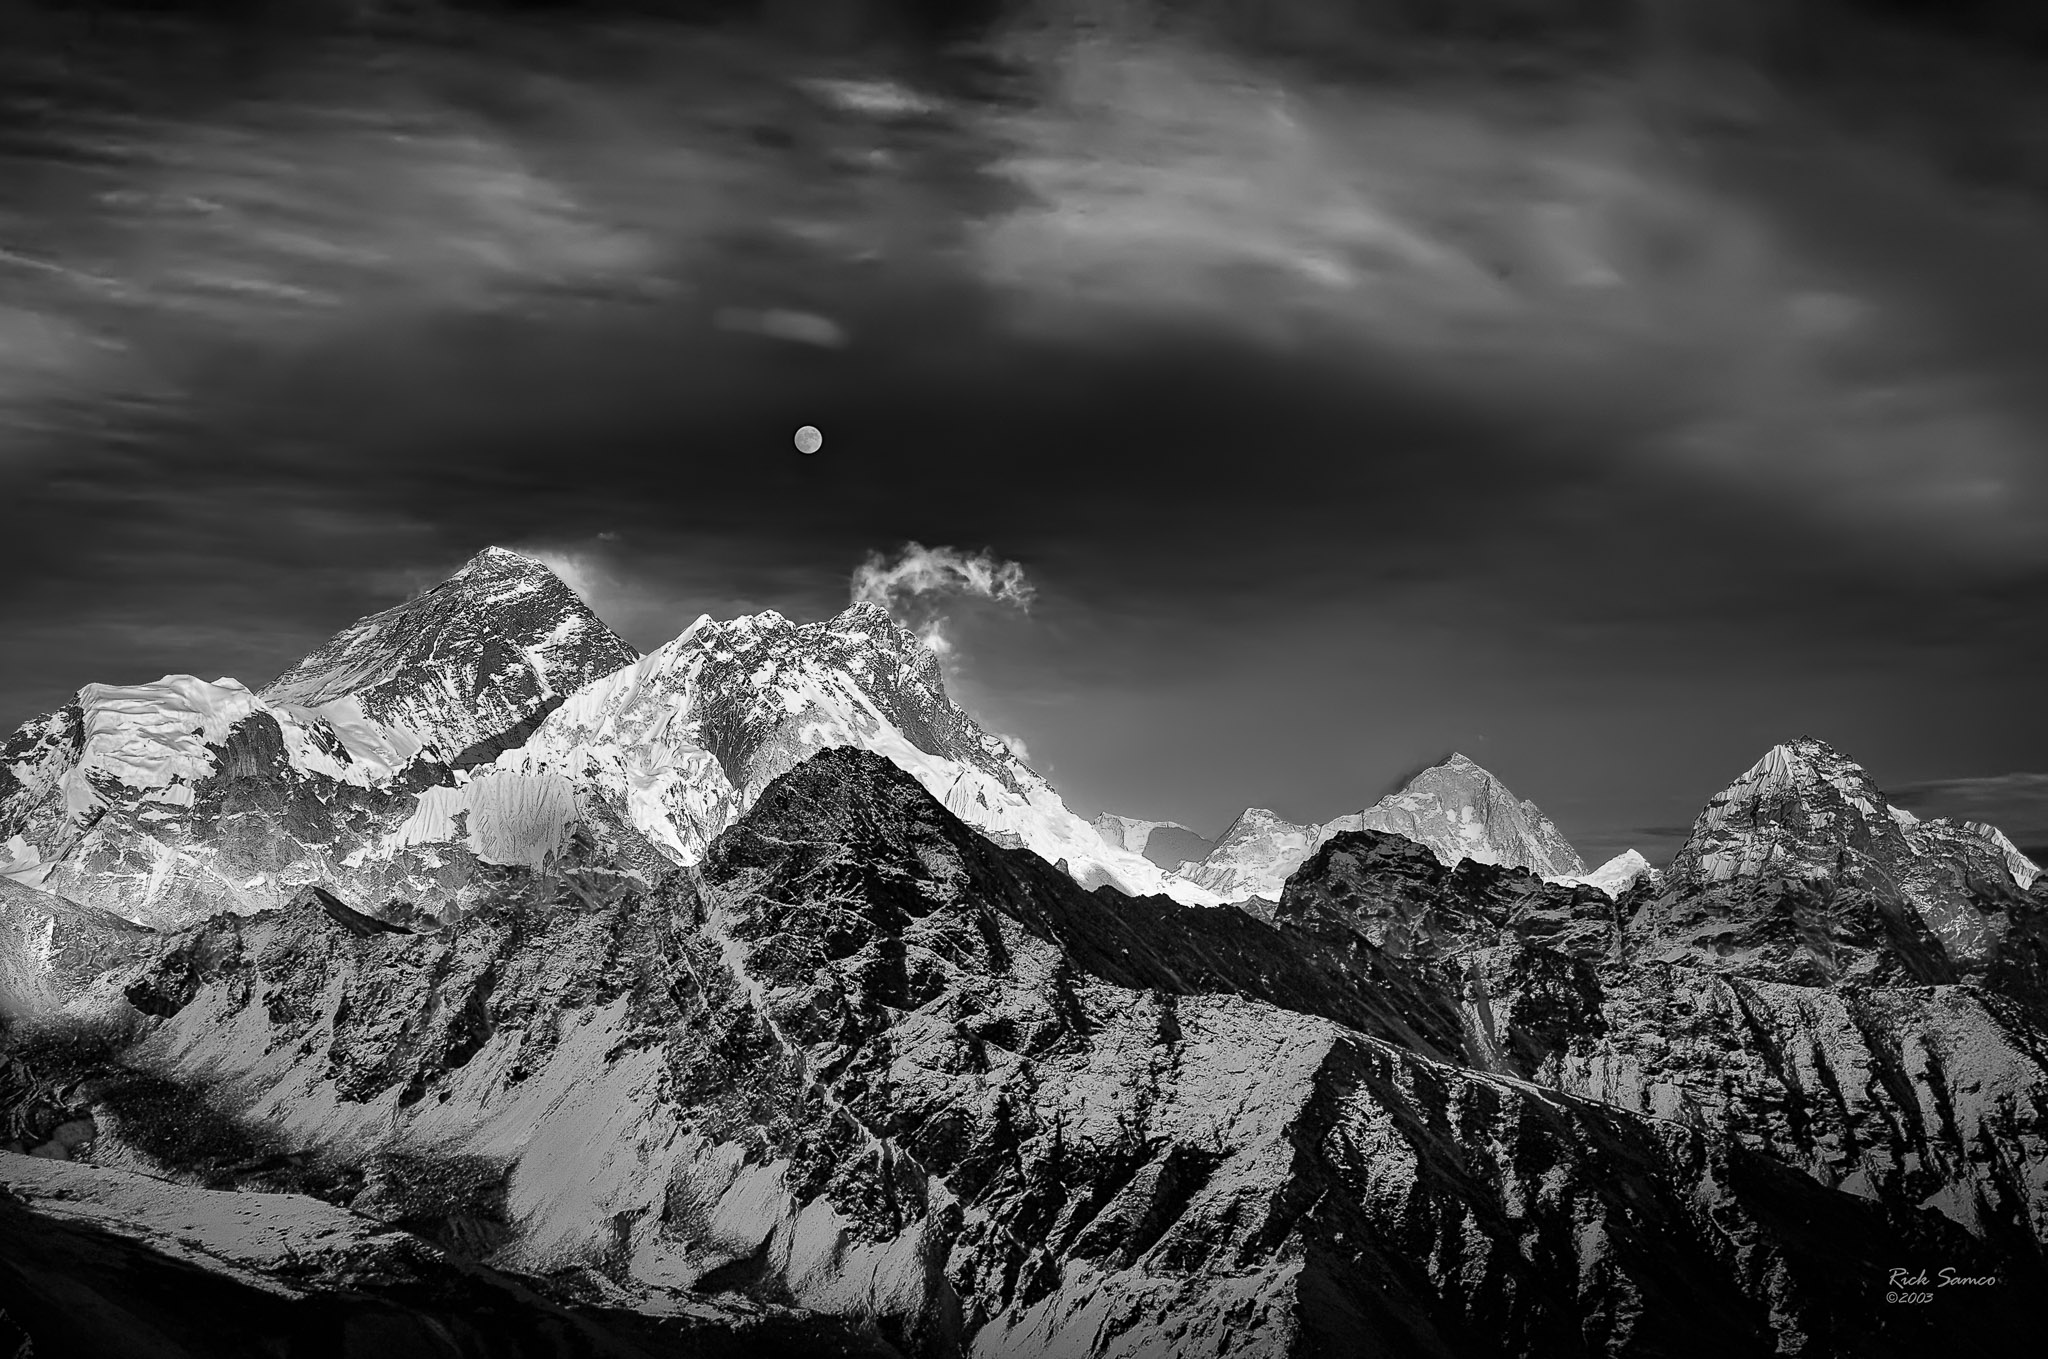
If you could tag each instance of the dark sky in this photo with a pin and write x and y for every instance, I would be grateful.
(1607, 429)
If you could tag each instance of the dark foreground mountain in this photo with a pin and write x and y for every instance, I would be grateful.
(864, 1063)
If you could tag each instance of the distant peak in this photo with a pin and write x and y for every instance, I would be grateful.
(1260, 818)
(1457, 764)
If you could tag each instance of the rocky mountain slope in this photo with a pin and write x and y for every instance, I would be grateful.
(1803, 871)
(751, 999)
(465, 670)
(863, 1061)
(108, 1262)
(1455, 807)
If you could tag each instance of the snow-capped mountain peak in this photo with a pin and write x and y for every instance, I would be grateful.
(1253, 856)
(1462, 811)
(1794, 813)
(1455, 807)
(687, 738)
(1169, 844)
(1615, 876)
(1803, 870)
(460, 668)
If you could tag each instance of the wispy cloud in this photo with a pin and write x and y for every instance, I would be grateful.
(918, 582)
(1548, 248)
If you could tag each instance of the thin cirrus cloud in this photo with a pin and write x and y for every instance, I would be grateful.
(1540, 251)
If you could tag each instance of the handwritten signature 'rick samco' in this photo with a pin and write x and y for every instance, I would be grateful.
(1945, 1277)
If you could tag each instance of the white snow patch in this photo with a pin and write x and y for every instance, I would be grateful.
(152, 737)
(509, 818)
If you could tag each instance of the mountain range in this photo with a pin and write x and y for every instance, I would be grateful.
(481, 986)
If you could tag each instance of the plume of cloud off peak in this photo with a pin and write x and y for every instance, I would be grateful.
(916, 585)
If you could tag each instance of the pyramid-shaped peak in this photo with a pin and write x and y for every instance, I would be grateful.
(1259, 816)
(869, 619)
(1805, 771)
(881, 627)
(498, 564)
(464, 663)
(1457, 765)
(500, 558)
(1462, 811)
(1804, 761)
(1460, 764)
(1795, 812)
(1808, 748)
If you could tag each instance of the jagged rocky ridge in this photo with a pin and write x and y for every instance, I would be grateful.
(864, 1061)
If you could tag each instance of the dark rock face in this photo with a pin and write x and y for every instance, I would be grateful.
(1803, 872)
(867, 1062)
(467, 666)
(30, 761)
(1401, 896)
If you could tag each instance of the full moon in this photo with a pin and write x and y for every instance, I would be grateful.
(808, 440)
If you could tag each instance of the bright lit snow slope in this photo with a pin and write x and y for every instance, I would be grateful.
(688, 736)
